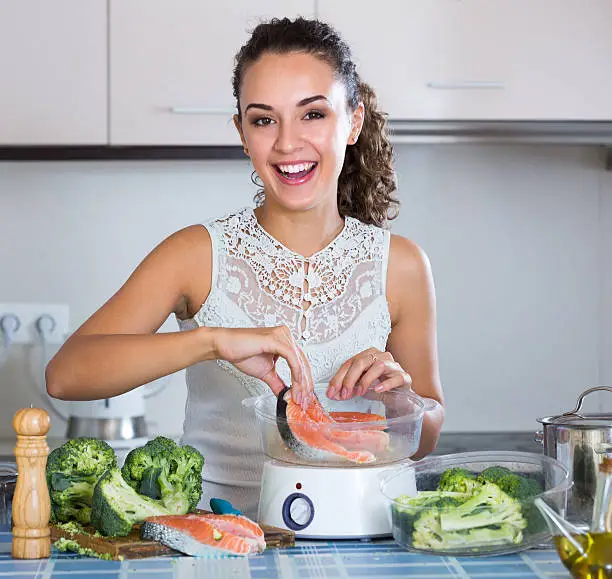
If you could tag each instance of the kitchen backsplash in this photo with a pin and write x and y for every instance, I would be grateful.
(519, 238)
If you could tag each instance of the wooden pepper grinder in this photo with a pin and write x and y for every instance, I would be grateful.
(31, 505)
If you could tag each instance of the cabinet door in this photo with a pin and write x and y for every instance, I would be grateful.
(53, 72)
(171, 66)
(483, 59)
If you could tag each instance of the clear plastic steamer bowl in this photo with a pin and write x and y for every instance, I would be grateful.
(393, 418)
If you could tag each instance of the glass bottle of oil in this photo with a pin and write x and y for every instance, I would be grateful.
(593, 560)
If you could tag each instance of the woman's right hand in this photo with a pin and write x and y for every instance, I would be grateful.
(255, 351)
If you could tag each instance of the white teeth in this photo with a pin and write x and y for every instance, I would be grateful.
(298, 168)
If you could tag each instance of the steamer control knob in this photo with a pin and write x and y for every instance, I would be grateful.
(298, 511)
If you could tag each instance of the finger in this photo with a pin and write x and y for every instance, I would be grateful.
(372, 374)
(335, 384)
(286, 347)
(395, 381)
(360, 364)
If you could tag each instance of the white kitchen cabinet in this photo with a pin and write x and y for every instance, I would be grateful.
(171, 64)
(53, 71)
(483, 59)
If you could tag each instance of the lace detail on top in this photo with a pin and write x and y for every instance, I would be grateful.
(271, 283)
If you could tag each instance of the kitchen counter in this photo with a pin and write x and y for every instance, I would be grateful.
(342, 559)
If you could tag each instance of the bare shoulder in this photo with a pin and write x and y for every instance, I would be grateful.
(188, 253)
(409, 275)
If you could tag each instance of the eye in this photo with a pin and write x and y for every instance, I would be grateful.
(311, 115)
(262, 121)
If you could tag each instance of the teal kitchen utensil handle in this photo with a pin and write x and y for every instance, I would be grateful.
(223, 507)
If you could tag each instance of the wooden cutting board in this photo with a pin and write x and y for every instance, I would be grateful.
(132, 547)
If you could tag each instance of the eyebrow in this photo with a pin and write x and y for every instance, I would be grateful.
(302, 103)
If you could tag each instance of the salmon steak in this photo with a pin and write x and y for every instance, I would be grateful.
(205, 535)
(315, 434)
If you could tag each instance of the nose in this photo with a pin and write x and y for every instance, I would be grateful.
(288, 138)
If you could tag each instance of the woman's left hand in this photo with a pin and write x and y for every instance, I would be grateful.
(368, 369)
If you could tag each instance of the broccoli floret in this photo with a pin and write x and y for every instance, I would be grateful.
(458, 480)
(430, 498)
(428, 534)
(520, 488)
(517, 486)
(117, 506)
(404, 516)
(72, 472)
(69, 545)
(488, 506)
(164, 471)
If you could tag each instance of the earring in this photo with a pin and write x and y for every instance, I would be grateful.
(256, 179)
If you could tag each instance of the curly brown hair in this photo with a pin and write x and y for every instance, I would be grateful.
(367, 181)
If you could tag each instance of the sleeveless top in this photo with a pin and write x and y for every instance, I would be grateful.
(258, 282)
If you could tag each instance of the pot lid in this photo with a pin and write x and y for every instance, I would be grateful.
(580, 420)
(577, 420)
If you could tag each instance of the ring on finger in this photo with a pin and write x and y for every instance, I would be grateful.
(374, 358)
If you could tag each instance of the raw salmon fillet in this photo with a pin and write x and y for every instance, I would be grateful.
(314, 434)
(206, 534)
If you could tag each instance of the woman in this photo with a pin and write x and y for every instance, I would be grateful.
(307, 288)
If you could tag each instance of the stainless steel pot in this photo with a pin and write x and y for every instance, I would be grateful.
(580, 442)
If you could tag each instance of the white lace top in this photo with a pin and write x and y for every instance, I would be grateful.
(334, 302)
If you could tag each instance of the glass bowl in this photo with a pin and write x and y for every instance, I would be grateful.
(424, 475)
(374, 429)
(8, 483)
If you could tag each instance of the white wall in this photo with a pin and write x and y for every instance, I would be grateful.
(519, 240)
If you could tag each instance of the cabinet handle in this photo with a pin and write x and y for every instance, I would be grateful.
(466, 84)
(201, 111)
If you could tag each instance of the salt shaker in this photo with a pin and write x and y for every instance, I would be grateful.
(31, 504)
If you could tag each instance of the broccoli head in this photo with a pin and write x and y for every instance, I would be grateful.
(520, 488)
(488, 506)
(458, 480)
(72, 472)
(117, 507)
(165, 471)
(517, 486)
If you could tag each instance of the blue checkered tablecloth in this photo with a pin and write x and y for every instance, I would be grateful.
(342, 559)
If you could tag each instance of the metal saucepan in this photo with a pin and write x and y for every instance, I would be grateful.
(580, 442)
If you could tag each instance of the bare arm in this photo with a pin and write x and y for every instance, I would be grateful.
(117, 349)
(413, 338)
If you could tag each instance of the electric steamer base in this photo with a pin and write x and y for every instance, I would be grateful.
(324, 502)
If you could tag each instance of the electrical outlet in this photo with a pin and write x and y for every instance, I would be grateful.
(28, 315)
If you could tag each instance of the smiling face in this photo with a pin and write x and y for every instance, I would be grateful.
(295, 127)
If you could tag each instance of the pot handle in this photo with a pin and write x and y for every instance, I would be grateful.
(582, 397)
(539, 437)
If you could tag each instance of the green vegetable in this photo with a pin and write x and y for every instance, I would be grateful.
(412, 507)
(429, 535)
(163, 470)
(117, 506)
(459, 480)
(518, 487)
(72, 528)
(68, 545)
(467, 511)
(488, 506)
(72, 472)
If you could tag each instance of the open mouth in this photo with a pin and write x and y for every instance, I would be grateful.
(296, 172)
